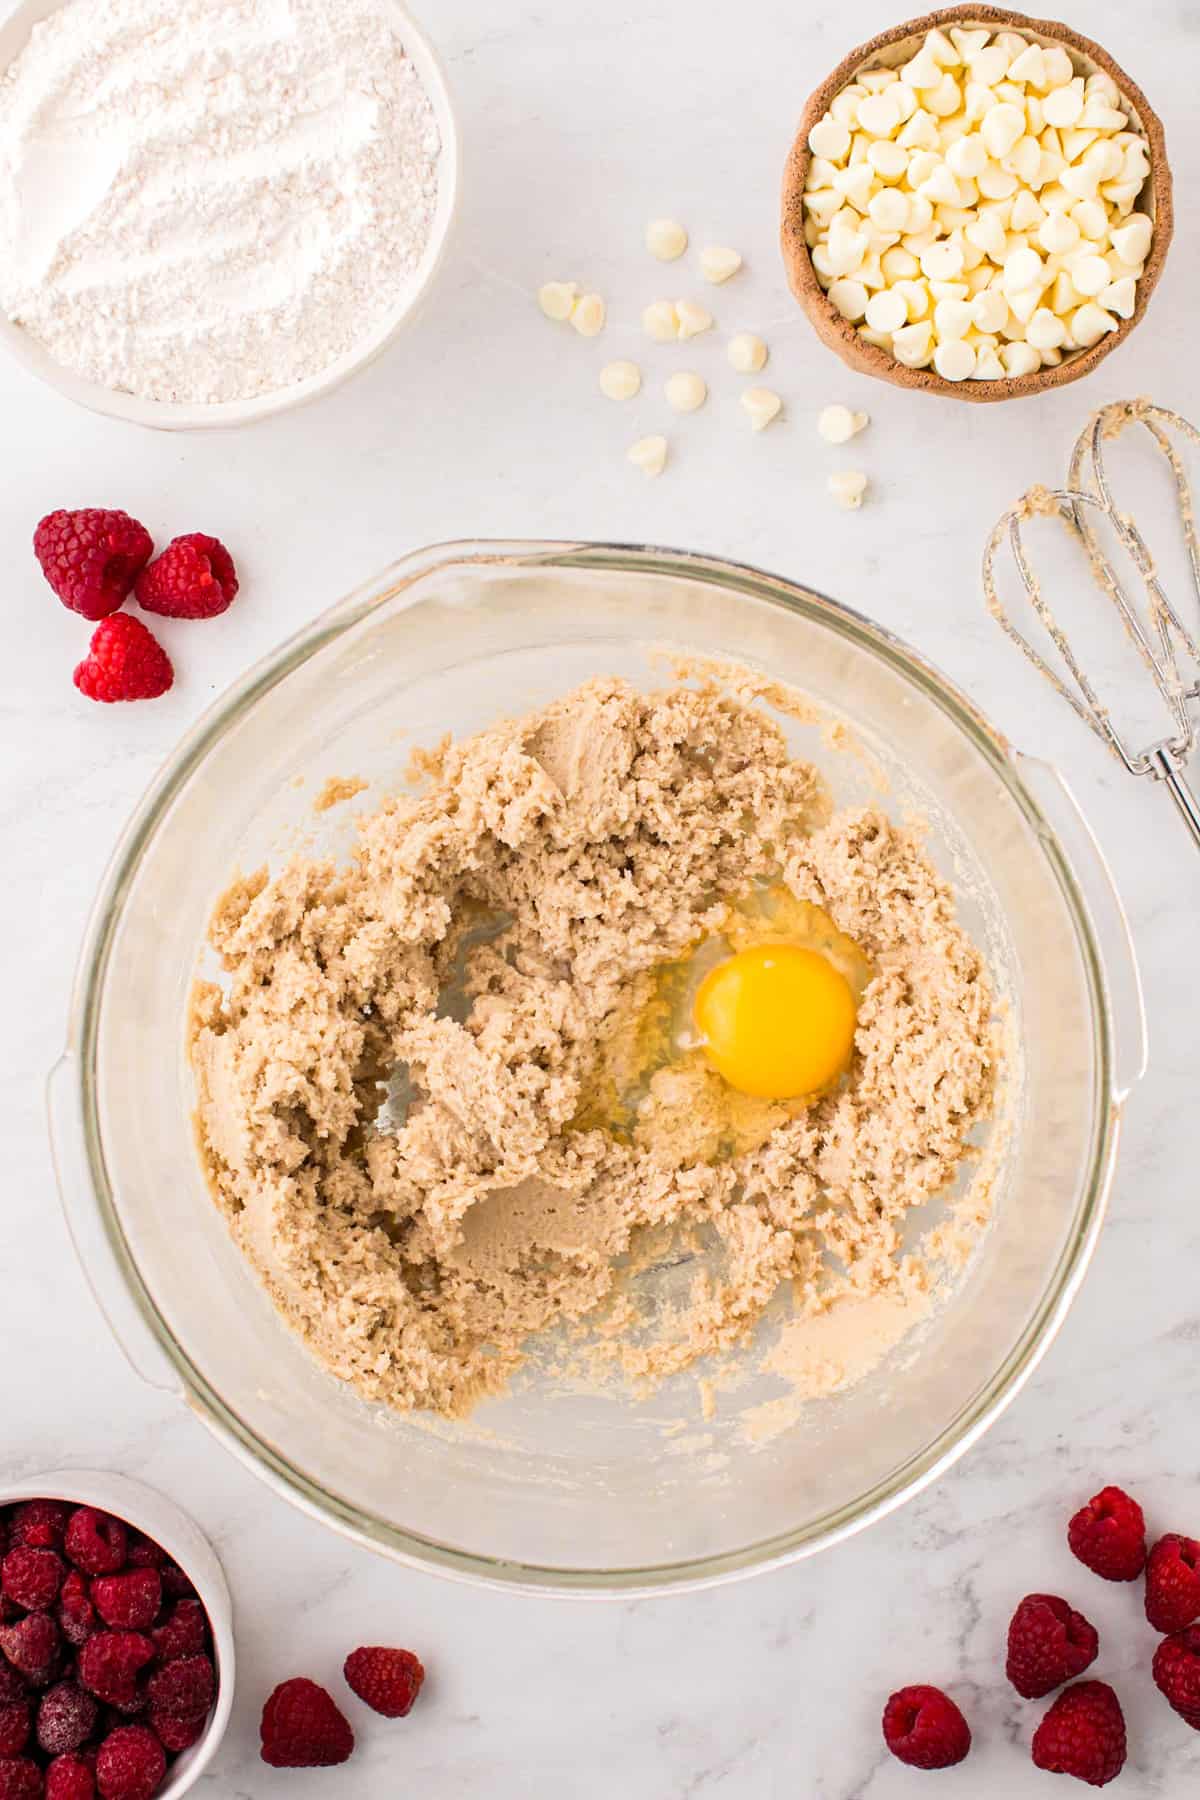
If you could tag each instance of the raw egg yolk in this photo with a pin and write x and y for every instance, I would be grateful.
(777, 1020)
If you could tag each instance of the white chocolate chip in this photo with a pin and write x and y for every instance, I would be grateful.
(837, 424)
(692, 319)
(666, 239)
(762, 405)
(1090, 323)
(847, 487)
(748, 354)
(849, 297)
(718, 263)
(886, 311)
(989, 310)
(661, 322)
(830, 138)
(954, 360)
(1064, 105)
(1045, 330)
(952, 319)
(588, 315)
(912, 345)
(1020, 359)
(1120, 297)
(1131, 241)
(1089, 273)
(620, 380)
(556, 298)
(1000, 129)
(686, 391)
(649, 455)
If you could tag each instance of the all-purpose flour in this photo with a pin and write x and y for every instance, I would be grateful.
(206, 200)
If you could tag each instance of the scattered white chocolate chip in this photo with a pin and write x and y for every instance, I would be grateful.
(747, 353)
(620, 380)
(666, 239)
(588, 315)
(686, 391)
(661, 322)
(982, 186)
(848, 487)
(691, 319)
(556, 298)
(837, 424)
(649, 455)
(762, 405)
(718, 263)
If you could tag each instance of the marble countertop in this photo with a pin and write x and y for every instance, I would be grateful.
(581, 122)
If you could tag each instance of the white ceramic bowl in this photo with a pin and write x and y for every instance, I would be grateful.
(159, 1518)
(166, 415)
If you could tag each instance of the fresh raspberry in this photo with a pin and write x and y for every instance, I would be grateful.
(176, 1732)
(175, 1583)
(69, 1778)
(924, 1728)
(194, 578)
(1083, 1734)
(16, 1722)
(129, 1602)
(1109, 1535)
(32, 1577)
(388, 1681)
(95, 1542)
(31, 1645)
(131, 1764)
(66, 1718)
(184, 1632)
(184, 1687)
(144, 1553)
(91, 557)
(77, 1617)
(1173, 1583)
(110, 1662)
(20, 1779)
(124, 662)
(1177, 1673)
(40, 1523)
(1048, 1644)
(302, 1728)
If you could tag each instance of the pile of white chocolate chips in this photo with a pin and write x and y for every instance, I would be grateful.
(974, 209)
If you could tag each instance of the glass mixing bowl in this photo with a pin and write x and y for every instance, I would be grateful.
(549, 1489)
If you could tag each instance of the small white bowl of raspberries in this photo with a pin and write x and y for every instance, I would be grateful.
(116, 1642)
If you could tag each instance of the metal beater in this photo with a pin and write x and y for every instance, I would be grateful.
(1166, 645)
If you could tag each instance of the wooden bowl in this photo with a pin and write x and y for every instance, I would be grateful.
(890, 49)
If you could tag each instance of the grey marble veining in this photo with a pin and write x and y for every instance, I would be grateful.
(580, 123)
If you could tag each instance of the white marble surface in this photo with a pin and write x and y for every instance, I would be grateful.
(580, 122)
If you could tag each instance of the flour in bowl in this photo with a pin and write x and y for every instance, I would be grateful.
(209, 200)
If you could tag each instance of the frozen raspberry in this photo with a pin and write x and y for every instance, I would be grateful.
(1173, 1583)
(77, 1617)
(32, 1577)
(95, 1542)
(144, 1553)
(91, 557)
(1177, 1673)
(1048, 1644)
(176, 1732)
(194, 578)
(31, 1645)
(110, 1662)
(924, 1728)
(16, 1722)
(69, 1778)
(175, 1583)
(1083, 1734)
(124, 662)
(185, 1686)
(302, 1728)
(388, 1681)
(131, 1764)
(40, 1524)
(66, 1718)
(20, 1779)
(184, 1632)
(130, 1601)
(1109, 1535)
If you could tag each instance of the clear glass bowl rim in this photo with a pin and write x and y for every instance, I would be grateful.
(425, 1553)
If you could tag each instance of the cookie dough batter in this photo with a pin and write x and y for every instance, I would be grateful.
(437, 1101)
